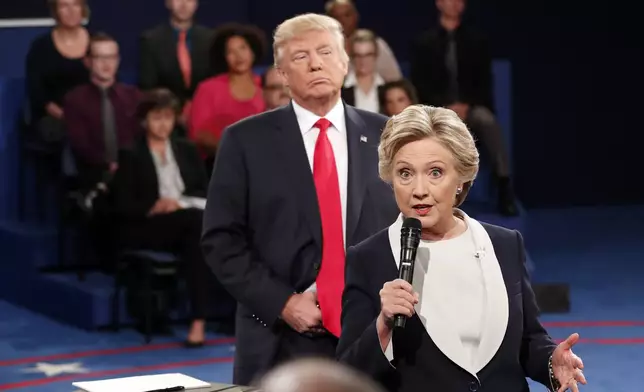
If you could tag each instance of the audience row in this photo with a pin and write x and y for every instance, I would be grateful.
(193, 82)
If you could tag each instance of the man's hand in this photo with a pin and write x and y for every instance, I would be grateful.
(302, 313)
(113, 167)
(462, 109)
(164, 206)
(54, 110)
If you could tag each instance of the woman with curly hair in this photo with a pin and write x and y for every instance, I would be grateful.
(234, 93)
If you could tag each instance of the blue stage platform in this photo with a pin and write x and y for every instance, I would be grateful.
(31, 245)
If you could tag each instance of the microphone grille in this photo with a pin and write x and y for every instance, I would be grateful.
(412, 223)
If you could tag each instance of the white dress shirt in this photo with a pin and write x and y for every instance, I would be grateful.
(337, 134)
(171, 185)
(365, 100)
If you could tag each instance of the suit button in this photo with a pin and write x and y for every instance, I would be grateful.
(316, 266)
(474, 386)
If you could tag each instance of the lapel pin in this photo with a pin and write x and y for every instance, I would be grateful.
(363, 138)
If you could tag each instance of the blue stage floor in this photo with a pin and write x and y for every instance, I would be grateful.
(598, 251)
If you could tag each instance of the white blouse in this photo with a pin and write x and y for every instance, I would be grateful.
(463, 302)
(448, 270)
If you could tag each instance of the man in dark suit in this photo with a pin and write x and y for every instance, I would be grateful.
(291, 188)
(176, 55)
(451, 66)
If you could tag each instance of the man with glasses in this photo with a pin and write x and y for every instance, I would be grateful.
(100, 115)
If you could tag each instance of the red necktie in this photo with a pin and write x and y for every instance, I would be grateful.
(330, 280)
(183, 55)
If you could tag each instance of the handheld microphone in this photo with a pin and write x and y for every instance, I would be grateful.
(409, 240)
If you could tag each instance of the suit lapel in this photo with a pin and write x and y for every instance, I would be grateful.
(179, 157)
(148, 168)
(169, 44)
(358, 152)
(200, 45)
(497, 305)
(296, 164)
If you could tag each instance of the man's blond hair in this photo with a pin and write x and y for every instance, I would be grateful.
(301, 24)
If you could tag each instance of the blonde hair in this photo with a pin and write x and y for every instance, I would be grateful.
(365, 35)
(300, 24)
(419, 122)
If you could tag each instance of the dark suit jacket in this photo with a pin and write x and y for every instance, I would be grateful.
(262, 232)
(429, 73)
(418, 362)
(135, 187)
(159, 66)
(349, 95)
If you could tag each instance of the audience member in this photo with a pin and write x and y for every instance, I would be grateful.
(55, 65)
(363, 82)
(175, 55)
(275, 93)
(292, 187)
(234, 93)
(159, 193)
(100, 116)
(345, 12)
(316, 375)
(451, 66)
(395, 96)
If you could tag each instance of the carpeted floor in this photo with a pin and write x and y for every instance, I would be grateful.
(598, 251)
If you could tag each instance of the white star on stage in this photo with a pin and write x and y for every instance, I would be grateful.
(54, 369)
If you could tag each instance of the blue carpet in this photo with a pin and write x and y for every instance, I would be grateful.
(597, 251)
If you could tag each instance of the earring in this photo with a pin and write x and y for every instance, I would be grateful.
(459, 190)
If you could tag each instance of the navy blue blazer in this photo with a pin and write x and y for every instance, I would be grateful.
(419, 363)
(262, 233)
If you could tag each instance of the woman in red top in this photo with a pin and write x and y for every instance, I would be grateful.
(234, 93)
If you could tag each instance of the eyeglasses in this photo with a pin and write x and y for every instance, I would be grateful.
(364, 55)
(110, 57)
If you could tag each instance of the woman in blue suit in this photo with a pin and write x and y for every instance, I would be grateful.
(472, 317)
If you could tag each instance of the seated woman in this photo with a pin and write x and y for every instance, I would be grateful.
(395, 96)
(159, 194)
(363, 83)
(234, 93)
(55, 65)
(471, 313)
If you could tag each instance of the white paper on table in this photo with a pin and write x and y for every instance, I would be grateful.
(142, 383)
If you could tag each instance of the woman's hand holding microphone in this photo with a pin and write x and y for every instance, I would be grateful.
(396, 298)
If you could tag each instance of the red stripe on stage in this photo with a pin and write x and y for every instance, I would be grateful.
(608, 341)
(616, 323)
(112, 372)
(110, 351)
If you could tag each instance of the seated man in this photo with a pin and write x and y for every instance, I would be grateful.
(275, 93)
(100, 116)
(451, 66)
